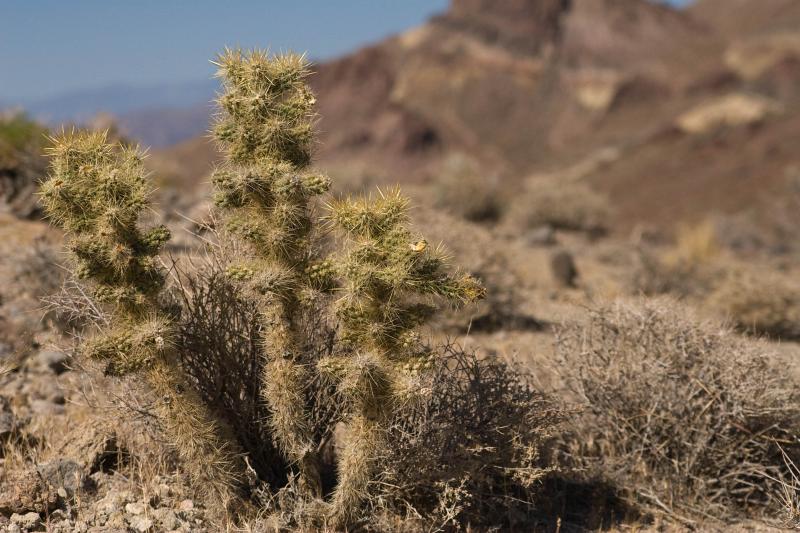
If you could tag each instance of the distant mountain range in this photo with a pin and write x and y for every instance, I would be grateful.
(156, 115)
(165, 114)
(674, 114)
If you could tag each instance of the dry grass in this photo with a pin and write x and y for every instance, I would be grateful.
(687, 268)
(220, 339)
(790, 493)
(473, 452)
(684, 416)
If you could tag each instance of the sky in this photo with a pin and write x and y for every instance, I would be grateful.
(49, 47)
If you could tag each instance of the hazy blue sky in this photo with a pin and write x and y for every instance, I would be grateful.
(48, 47)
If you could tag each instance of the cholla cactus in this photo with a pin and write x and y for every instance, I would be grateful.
(96, 192)
(265, 188)
(391, 281)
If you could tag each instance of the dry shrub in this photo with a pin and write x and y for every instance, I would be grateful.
(562, 204)
(27, 273)
(759, 302)
(687, 268)
(472, 453)
(789, 494)
(684, 416)
(221, 348)
(652, 275)
(463, 190)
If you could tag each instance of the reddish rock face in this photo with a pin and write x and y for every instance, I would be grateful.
(524, 25)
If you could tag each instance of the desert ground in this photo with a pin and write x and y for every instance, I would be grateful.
(622, 177)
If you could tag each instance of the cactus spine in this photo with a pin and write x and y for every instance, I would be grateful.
(391, 282)
(265, 187)
(96, 192)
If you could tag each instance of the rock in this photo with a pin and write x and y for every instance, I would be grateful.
(141, 523)
(13, 528)
(62, 476)
(541, 236)
(25, 491)
(116, 521)
(166, 519)
(562, 266)
(135, 508)
(26, 521)
(727, 112)
(8, 422)
(186, 505)
(53, 360)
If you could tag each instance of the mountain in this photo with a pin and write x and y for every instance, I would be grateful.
(699, 107)
(157, 114)
(510, 86)
(166, 126)
(738, 18)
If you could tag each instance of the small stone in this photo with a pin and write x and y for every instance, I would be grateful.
(164, 491)
(160, 495)
(116, 520)
(562, 266)
(541, 236)
(26, 521)
(25, 491)
(58, 514)
(135, 508)
(46, 407)
(141, 523)
(186, 505)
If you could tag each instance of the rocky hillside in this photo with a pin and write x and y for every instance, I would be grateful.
(688, 112)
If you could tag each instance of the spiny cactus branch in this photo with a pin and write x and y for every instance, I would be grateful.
(97, 192)
(391, 280)
(265, 127)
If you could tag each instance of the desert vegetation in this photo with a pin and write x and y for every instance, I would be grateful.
(337, 319)
(682, 413)
(311, 361)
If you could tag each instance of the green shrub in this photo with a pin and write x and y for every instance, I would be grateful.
(18, 132)
(22, 165)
